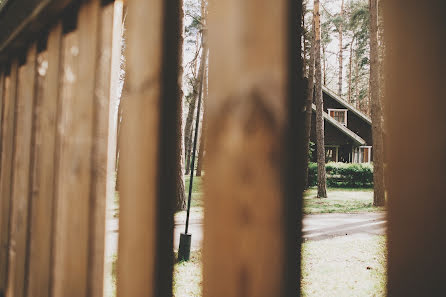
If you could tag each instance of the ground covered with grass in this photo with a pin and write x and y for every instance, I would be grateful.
(340, 201)
(344, 266)
(341, 266)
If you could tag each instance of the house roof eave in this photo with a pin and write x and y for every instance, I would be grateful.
(342, 128)
(346, 104)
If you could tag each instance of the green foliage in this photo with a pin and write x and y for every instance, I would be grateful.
(344, 175)
(311, 150)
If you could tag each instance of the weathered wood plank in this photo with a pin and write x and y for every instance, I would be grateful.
(20, 192)
(255, 124)
(6, 169)
(100, 153)
(74, 171)
(147, 150)
(41, 226)
(416, 146)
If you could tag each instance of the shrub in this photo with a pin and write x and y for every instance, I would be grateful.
(344, 175)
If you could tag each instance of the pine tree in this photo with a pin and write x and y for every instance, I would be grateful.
(376, 109)
(321, 174)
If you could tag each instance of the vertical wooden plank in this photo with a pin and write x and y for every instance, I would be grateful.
(74, 187)
(416, 126)
(147, 150)
(256, 112)
(41, 226)
(6, 170)
(21, 175)
(100, 153)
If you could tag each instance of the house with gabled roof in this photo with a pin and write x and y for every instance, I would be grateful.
(348, 131)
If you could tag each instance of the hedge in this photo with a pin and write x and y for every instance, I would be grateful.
(344, 175)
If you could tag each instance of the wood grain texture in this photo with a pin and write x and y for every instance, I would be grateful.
(100, 153)
(20, 192)
(74, 187)
(45, 119)
(139, 150)
(415, 100)
(251, 215)
(147, 150)
(6, 169)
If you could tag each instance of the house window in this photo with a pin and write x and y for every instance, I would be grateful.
(331, 154)
(339, 115)
(362, 154)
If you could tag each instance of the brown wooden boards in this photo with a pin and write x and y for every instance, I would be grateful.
(18, 241)
(139, 150)
(6, 169)
(41, 222)
(80, 179)
(147, 150)
(416, 139)
(100, 153)
(251, 215)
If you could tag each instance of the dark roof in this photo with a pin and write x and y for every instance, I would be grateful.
(346, 104)
(342, 128)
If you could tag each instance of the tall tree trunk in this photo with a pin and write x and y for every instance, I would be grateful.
(321, 175)
(350, 71)
(181, 197)
(341, 51)
(196, 92)
(202, 145)
(356, 87)
(200, 161)
(189, 124)
(309, 106)
(324, 59)
(376, 109)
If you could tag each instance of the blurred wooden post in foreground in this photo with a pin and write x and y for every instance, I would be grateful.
(147, 150)
(416, 137)
(255, 132)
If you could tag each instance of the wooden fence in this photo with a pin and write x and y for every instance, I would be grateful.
(58, 75)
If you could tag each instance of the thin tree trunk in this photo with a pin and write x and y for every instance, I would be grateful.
(203, 125)
(321, 175)
(350, 71)
(202, 145)
(341, 51)
(181, 197)
(189, 124)
(356, 87)
(325, 64)
(376, 109)
(309, 106)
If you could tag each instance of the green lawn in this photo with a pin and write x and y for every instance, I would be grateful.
(340, 201)
(342, 266)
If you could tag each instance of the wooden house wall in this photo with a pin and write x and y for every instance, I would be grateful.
(354, 122)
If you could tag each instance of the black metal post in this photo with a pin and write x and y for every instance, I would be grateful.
(185, 238)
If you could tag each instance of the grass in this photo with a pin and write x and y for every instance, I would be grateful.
(340, 201)
(342, 266)
(345, 266)
(187, 278)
